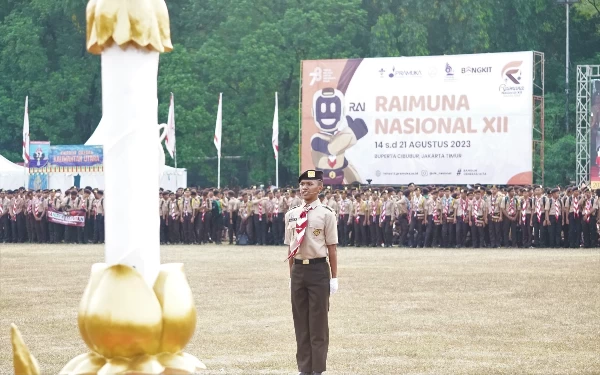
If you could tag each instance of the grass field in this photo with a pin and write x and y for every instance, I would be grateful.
(398, 311)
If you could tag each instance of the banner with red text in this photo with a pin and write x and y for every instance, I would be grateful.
(458, 119)
(72, 218)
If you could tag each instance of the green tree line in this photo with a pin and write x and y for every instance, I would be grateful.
(248, 49)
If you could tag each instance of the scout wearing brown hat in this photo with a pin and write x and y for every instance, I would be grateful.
(311, 234)
(554, 215)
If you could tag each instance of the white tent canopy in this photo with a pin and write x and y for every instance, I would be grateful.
(12, 176)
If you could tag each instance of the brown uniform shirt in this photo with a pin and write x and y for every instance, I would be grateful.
(552, 206)
(321, 230)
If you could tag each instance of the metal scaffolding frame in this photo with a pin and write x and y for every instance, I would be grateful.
(538, 117)
(585, 75)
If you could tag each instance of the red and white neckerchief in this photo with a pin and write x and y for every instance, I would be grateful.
(29, 207)
(556, 209)
(276, 207)
(259, 211)
(476, 208)
(186, 206)
(1, 208)
(493, 205)
(523, 210)
(415, 204)
(588, 209)
(343, 208)
(511, 207)
(435, 210)
(301, 225)
(383, 212)
(538, 208)
(173, 210)
(374, 210)
(83, 205)
(463, 204)
(97, 207)
(358, 213)
(36, 207)
(576, 205)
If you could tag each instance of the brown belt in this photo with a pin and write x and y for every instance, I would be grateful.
(310, 261)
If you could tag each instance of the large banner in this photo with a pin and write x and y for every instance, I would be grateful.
(71, 158)
(459, 119)
(595, 135)
(73, 218)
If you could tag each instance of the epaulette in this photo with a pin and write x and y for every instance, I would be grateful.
(327, 207)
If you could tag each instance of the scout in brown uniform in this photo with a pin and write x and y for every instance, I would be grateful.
(187, 217)
(374, 212)
(510, 210)
(495, 218)
(245, 218)
(403, 216)
(430, 210)
(554, 218)
(232, 207)
(525, 219)
(461, 217)
(387, 219)
(260, 218)
(99, 217)
(565, 216)
(39, 213)
(277, 218)
(173, 219)
(163, 212)
(448, 222)
(478, 219)
(538, 217)
(312, 236)
(417, 211)
(360, 221)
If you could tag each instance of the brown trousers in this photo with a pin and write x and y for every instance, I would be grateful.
(310, 306)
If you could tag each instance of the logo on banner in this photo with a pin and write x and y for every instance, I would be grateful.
(316, 76)
(402, 73)
(476, 70)
(321, 75)
(449, 73)
(459, 172)
(381, 72)
(511, 78)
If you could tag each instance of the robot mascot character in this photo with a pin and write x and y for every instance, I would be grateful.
(335, 136)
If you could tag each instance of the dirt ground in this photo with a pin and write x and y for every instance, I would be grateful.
(398, 311)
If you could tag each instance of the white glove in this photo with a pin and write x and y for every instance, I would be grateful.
(333, 286)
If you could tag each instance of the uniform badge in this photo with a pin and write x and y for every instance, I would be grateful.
(316, 232)
(311, 174)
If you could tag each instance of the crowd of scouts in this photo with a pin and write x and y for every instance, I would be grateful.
(449, 217)
(24, 216)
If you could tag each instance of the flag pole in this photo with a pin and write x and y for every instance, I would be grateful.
(277, 143)
(175, 145)
(219, 172)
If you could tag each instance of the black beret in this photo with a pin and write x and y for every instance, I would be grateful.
(311, 174)
(555, 190)
(101, 192)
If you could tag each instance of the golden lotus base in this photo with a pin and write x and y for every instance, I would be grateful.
(129, 327)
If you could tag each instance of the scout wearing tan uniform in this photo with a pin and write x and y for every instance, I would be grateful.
(588, 214)
(99, 222)
(417, 212)
(344, 219)
(403, 216)
(360, 221)
(187, 217)
(525, 218)
(461, 211)
(4, 223)
(163, 213)
(510, 207)
(386, 220)
(430, 210)
(478, 218)
(173, 219)
(374, 207)
(554, 216)
(232, 207)
(312, 236)
(494, 218)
